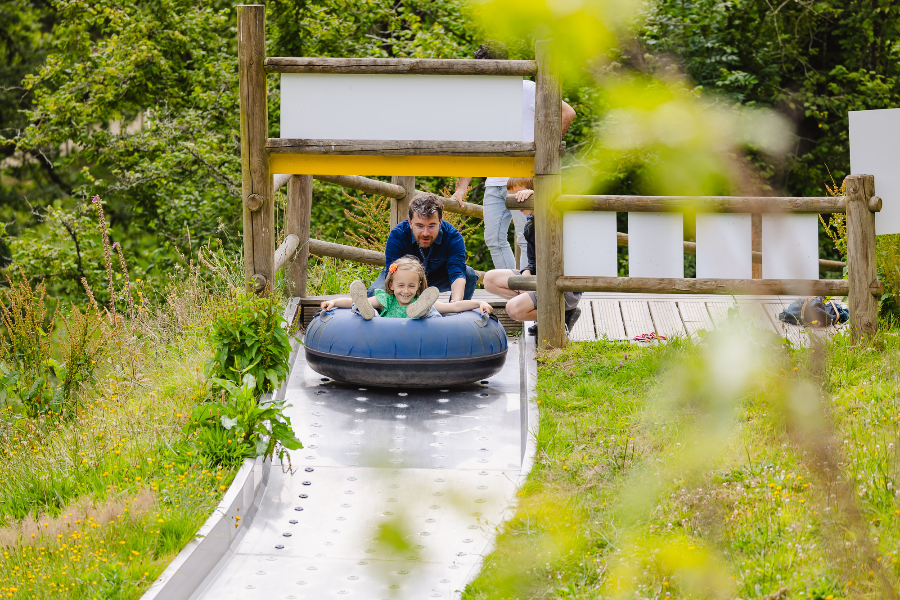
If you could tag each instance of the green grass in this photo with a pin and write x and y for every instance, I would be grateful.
(96, 503)
(739, 468)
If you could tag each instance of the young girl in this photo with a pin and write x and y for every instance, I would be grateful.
(405, 295)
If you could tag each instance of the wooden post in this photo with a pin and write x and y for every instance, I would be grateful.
(547, 186)
(756, 242)
(256, 184)
(297, 216)
(862, 268)
(400, 208)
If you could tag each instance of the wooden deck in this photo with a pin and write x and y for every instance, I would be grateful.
(624, 316)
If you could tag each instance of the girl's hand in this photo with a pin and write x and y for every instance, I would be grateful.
(484, 307)
(523, 195)
(327, 305)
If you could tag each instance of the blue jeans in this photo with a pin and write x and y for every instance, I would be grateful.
(440, 280)
(496, 228)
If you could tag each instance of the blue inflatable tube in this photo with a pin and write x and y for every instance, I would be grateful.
(451, 350)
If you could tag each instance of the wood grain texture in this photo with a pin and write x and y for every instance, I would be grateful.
(861, 265)
(463, 208)
(693, 204)
(400, 206)
(360, 255)
(402, 147)
(285, 250)
(364, 184)
(298, 214)
(259, 225)
(653, 285)
(401, 66)
(547, 187)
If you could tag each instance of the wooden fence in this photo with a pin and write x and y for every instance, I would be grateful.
(862, 287)
(261, 157)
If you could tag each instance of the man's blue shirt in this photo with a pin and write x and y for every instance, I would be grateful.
(448, 251)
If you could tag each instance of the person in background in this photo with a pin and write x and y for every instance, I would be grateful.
(496, 215)
(522, 306)
(436, 244)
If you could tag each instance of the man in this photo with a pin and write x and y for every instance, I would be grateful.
(496, 215)
(436, 243)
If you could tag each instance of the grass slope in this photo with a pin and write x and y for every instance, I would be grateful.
(736, 468)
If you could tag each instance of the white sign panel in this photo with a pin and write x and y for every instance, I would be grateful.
(790, 247)
(875, 150)
(724, 246)
(589, 244)
(401, 107)
(655, 245)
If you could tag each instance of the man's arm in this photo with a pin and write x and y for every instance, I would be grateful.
(568, 115)
(456, 266)
(461, 186)
(458, 290)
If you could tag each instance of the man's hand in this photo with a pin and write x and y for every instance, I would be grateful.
(458, 289)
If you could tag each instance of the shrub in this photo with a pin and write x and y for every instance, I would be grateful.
(247, 339)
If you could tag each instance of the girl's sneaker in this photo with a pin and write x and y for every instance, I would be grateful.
(358, 295)
(422, 304)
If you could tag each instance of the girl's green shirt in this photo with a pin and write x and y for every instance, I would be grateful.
(390, 307)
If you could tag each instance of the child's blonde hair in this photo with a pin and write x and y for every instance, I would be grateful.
(406, 263)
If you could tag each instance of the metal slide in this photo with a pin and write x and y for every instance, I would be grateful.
(440, 466)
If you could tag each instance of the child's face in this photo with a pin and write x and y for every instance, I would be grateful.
(513, 191)
(404, 286)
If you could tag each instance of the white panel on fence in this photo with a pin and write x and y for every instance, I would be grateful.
(724, 246)
(655, 245)
(401, 107)
(589, 244)
(790, 246)
(873, 151)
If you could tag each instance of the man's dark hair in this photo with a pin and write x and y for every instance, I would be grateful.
(492, 50)
(425, 206)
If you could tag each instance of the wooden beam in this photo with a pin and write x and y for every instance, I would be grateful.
(401, 147)
(401, 66)
(697, 204)
(365, 184)
(279, 181)
(862, 271)
(298, 214)
(547, 187)
(256, 184)
(651, 285)
(463, 208)
(284, 251)
(360, 255)
(400, 206)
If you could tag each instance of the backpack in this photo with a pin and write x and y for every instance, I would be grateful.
(816, 311)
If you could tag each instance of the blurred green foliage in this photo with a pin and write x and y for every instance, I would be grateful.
(137, 101)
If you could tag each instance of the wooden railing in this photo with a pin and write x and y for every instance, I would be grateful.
(862, 286)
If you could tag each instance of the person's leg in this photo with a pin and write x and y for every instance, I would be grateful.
(471, 282)
(378, 284)
(522, 308)
(496, 281)
(519, 222)
(496, 227)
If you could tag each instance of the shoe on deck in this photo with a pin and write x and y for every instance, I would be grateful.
(358, 295)
(421, 305)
